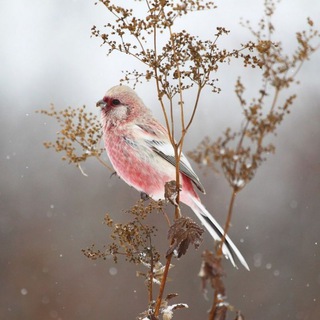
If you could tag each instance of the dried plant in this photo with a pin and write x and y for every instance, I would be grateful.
(240, 152)
(166, 310)
(181, 234)
(79, 135)
(132, 240)
(178, 61)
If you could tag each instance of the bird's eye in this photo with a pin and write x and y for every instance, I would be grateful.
(115, 102)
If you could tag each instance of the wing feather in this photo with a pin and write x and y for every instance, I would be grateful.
(157, 139)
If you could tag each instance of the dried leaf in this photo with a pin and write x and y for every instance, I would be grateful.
(171, 192)
(183, 233)
(167, 313)
(212, 270)
(220, 313)
(170, 296)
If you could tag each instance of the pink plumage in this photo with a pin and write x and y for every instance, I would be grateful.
(142, 155)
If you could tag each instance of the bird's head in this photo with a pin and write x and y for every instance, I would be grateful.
(120, 103)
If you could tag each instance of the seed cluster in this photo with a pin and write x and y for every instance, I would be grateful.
(79, 136)
(132, 240)
(240, 152)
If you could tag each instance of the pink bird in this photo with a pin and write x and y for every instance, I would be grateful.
(140, 151)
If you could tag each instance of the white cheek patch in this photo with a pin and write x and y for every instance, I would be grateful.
(119, 113)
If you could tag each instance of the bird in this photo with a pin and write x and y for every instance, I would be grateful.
(142, 155)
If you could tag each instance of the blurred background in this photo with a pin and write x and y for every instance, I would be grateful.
(50, 211)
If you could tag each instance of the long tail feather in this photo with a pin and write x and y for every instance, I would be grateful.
(229, 249)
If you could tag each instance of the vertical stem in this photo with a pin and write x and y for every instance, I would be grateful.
(228, 221)
(214, 305)
(162, 285)
(151, 274)
(155, 68)
(219, 251)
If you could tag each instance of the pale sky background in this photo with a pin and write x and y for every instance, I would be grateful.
(49, 211)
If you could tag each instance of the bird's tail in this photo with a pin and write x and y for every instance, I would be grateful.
(229, 249)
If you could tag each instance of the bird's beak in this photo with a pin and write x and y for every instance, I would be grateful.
(101, 104)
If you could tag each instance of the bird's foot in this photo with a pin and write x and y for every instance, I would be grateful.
(144, 196)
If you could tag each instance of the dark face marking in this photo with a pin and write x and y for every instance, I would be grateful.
(115, 102)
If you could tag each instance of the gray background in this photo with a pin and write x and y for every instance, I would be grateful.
(49, 211)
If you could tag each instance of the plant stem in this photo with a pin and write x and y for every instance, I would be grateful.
(219, 251)
(214, 306)
(228, 221)
(162, 286)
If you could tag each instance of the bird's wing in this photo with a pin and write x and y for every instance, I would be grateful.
(156, 138)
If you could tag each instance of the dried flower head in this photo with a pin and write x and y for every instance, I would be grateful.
(79, 135)
(132, 240)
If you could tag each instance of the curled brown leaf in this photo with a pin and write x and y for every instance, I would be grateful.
(183, 233)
